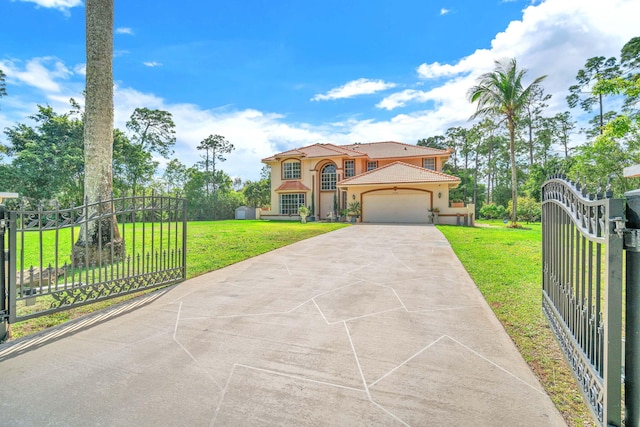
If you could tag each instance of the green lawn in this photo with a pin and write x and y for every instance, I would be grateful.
(213, 245)
(506, 265)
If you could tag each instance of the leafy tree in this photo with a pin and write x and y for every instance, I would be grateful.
(215, 147)
(153, 131)
(617, 147)
(258, 193)
(501, 93)
(456, 138)
(47, 159)
(437, 141)
(208, 206)
(596, 68)
(630, 54)
(133, 166)
(561, 128)
(265, 172)
(528, 209)
(493, 211)
(98, 132)
(176, 176)
(533, 116)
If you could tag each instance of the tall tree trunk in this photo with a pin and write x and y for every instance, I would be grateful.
(98, 140)
(514, 172)
(489, 170)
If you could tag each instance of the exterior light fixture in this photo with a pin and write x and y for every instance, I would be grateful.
(439, 195)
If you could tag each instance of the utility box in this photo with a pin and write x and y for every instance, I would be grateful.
(245, 212)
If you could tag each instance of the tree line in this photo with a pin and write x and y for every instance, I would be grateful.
(44, 162)
(504, 158)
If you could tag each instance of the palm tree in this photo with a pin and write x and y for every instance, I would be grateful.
(500, 93)
(98, 133)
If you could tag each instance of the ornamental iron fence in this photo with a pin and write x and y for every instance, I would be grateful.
(583, 238)
(57, 259)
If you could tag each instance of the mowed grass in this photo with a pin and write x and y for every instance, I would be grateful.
(210, 245)
(213, 245)
(506, 265)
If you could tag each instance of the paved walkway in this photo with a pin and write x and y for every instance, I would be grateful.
(367, 325)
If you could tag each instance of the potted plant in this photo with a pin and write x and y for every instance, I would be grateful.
(312, 214)
(435, 215)
(303, 211)
(457, 204)
(355, 210)
(343, 214)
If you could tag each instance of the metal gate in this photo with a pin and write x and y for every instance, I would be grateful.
(583, 239)
(46, 270)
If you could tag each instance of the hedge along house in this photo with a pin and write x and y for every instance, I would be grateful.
(394, 183)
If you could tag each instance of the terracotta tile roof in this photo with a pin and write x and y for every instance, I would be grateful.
(399, 173)
(316, 150)
(392, 149)
(292, 186)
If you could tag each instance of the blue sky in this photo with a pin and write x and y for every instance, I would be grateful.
(273, 75)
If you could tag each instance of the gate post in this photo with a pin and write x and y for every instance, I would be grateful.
(632, 345)
(4, 310)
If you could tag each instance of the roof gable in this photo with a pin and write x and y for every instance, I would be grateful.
(316, 150)
(393, 149)
(372, 150)
(399, 173)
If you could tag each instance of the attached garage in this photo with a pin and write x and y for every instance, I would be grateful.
(399, 206)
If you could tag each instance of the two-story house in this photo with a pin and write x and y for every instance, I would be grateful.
(392, 181)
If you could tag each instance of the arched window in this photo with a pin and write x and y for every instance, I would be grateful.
(328, 177)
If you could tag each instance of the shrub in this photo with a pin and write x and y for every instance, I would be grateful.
(529, 210)
(493, 211)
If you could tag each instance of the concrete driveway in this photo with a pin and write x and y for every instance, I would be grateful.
(367, 325)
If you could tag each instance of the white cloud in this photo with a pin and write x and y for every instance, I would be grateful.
(400, 99)
(444, 11)
(255, 134)
(80, 69)
(124, 30)
(553, 38)
(42, 73)
(152, 64)
(56, 4)
(354, 88)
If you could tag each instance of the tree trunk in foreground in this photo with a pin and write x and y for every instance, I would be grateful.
(98, 141)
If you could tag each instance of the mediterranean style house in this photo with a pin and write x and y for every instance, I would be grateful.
(392, 182)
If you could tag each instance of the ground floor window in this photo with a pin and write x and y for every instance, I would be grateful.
(290, 202)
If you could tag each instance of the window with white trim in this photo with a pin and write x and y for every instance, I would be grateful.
(372, 165)
(290, 202)
(349, 168)
(291, 170)
(328, 177)
(429, 163)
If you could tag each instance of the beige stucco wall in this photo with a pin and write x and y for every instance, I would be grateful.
(310, 174)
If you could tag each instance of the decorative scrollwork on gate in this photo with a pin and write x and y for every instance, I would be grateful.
(579, 286)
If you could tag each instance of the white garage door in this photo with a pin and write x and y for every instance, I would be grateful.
(403, 206)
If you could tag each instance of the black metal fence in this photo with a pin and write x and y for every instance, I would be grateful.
(62, 258)
(582, 249)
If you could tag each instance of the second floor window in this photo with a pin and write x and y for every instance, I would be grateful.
(328, 178)
(371, 166)
(349, 168)
(291, 170)
(429, 163)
